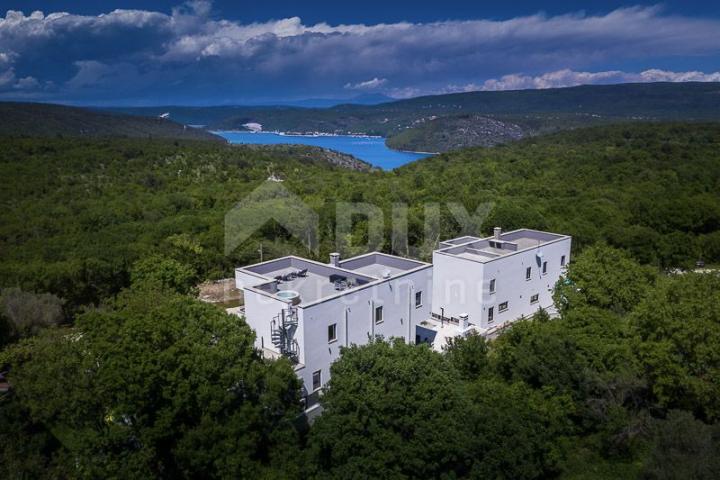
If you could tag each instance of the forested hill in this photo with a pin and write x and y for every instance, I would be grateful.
(157, 384)
(442, 122)
(651, 189)
(662, 100)
(49, 120)
(453, 132)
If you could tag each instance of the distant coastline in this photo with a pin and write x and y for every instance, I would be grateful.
(299, 134)
(319, 134)
(419, 152)
(372, 149)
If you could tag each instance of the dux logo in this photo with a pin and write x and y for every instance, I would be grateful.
(271, 201)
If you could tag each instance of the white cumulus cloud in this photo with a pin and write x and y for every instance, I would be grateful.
(570, 78)
(372, 84)
(192, 55)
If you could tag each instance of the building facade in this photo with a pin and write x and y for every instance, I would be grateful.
(307, 310)
(489, 282)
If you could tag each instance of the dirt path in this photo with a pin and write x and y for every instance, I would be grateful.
(221, 292)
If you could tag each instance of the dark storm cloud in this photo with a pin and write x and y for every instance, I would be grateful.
(190, 56)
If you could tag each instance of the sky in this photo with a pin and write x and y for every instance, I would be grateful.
(234, 52)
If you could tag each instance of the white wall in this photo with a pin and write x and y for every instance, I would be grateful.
(244, 279)
(259, 311)
(458, 286)
(461, 285)
(512, 287)
(353, 314)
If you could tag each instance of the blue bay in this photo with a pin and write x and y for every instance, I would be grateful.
(372, 150)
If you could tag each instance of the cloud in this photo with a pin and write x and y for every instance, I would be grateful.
(655, 75)
(5, 59)
(570, 78)
(372, 84)
(192, 56)
(7, 78)
(27, 83)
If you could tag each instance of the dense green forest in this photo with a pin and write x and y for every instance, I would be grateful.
(116, 370)
(453, 132)
(50, 120)
(78, 213)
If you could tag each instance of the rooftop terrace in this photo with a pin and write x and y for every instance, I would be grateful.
(315, 281)
(498, 245)
(379, 265)
(458, 241)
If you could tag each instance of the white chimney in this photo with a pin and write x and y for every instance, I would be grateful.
(334, 259)
(464, 321)
(496, 232)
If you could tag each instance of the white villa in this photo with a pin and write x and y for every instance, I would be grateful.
(306, 310)
(485, 283)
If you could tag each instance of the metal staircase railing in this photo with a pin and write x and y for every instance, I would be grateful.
(282, 332)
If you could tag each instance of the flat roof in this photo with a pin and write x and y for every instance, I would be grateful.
(491, 248)
(315, 281)
(380, 265)
(459, 240)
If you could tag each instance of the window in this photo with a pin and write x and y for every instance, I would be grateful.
(378, 314)
(332, 332)
(418, 299)
(562, 261)
(503, 306)
(544, 268)
(491, 314)
(492, 286)
(317, 380)
(528, 273)
(535, 298)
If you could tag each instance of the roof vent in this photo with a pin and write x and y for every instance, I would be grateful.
(497, 231)
(464, 321)
(334, 259)
(386, 274)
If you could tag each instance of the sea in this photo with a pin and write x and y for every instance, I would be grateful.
(370, 149)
